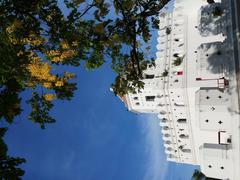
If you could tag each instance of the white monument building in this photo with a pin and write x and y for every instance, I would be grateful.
(193, 88)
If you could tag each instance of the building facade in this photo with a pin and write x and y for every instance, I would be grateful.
(193, 88)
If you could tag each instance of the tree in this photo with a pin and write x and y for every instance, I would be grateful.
(32, 45)
(168, 30)
(198, 175)
(134, 22)
(178, 61)
(165, 73)
(38, 40)
(210, 1)
(217, 11)
(9, 165)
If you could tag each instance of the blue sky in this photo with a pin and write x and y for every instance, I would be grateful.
(94, 138)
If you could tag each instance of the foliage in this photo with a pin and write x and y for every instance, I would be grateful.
(38, 40)
(210, 1)
(40, 109)
(178, 61)
(168, 30)
(219, 52)
(33, 51)
(133, 24)
(165, 73)
(217, 11)
(198, 175)
(9, 165)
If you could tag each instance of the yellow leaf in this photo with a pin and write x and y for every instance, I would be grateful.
(99, 28)
(49, 97)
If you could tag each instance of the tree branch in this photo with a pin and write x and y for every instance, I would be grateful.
(87, 9)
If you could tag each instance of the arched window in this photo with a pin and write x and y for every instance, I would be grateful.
(150, 98)
(169, 149)
(182, 120)
(184, 136)
(166, 135)
(171, 156)
(162, 112)
(179, 104)
(165, 128)
(186, 150)
(164, 120)
(167, 142)
(175, 55)
(148, 76)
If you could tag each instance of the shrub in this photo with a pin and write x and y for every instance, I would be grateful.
(210, 1)
(165, 73)
(168, 30)
(217, 12)
(219, 53)
(178, 61)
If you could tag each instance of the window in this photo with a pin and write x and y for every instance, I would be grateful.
(180, 73)
(213, 108)
(165, 128)
(175, 55)
(135, 98)
(162, 112)
(171, 156)
(149, 76)
(186, 150)
(164, 120)
(180, 147)
(180, 45)
(183, 136)
(150, 98)
(137, 103)
(166, 135)
(168, 30)
(182, 120)
(167, 142)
